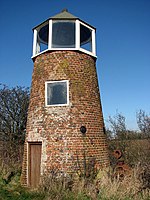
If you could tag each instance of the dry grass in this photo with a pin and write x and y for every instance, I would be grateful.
(134, 186)
(103, 187)
(114, 188)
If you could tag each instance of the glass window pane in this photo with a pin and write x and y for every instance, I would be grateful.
(42, 40)
(85, 38)
(56, 93)
(63, 34)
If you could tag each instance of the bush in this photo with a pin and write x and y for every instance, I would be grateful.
(134, 186)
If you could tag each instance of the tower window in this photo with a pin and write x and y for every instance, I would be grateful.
(57, 93)
(63, 34)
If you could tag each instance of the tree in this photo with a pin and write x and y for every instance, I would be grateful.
(13, 113)
(143, 121)
(118, 126)
(13, 117)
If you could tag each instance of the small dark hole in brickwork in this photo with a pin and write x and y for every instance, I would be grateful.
(83, 129)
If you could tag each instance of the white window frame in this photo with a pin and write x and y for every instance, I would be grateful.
(46, 83)
(93, 46)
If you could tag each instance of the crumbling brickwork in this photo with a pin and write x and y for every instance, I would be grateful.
(58, 127)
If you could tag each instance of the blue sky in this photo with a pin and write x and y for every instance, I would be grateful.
(123, 47)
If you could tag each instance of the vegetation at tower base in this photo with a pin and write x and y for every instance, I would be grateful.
(103, 187)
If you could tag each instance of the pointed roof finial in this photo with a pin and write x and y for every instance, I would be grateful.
(64, 14)
(65, 10)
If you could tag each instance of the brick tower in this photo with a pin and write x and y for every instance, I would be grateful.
(65, 125)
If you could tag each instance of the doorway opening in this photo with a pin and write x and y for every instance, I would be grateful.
(34, 163)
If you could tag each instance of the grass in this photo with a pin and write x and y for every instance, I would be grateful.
(19, 194)
(134, 186)
(14, 191)
(103, 187)
(109, 189)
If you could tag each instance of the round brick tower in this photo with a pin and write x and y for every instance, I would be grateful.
(65, 128)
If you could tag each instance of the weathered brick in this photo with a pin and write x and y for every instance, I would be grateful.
(58, 127)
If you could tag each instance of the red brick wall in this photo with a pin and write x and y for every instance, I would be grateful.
(59, 127)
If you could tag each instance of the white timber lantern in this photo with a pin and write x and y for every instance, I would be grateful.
(64, 32)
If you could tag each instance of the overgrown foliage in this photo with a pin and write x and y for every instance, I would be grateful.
(104, 186)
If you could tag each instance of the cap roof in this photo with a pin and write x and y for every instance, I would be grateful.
(64, 14)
